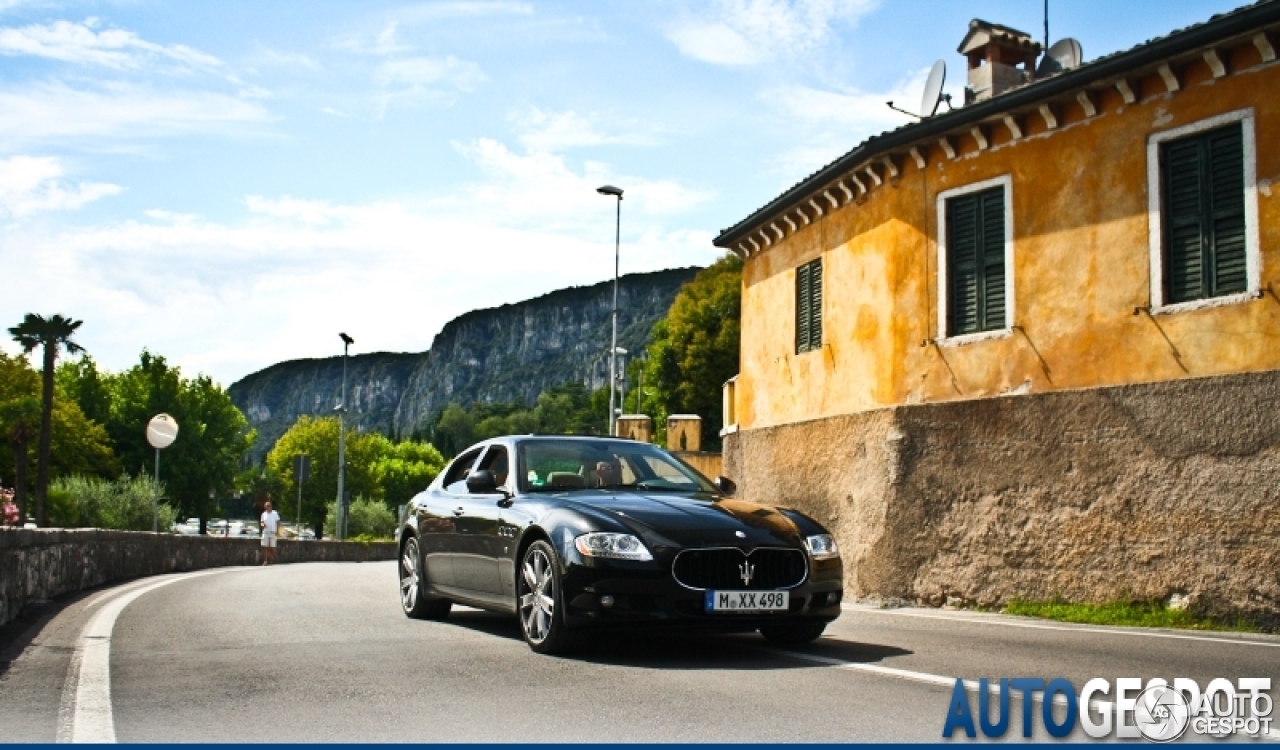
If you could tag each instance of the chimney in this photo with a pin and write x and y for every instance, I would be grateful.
(995, 53)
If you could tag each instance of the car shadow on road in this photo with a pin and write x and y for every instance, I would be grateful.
(747, 651)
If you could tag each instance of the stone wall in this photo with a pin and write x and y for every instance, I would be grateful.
(39, 564)
(1134, 492)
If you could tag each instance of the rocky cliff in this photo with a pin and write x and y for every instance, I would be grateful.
(503, 354)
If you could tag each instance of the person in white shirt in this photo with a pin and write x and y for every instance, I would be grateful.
(270, 523)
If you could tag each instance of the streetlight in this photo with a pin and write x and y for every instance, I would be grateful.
(341, 519)
(613, 343)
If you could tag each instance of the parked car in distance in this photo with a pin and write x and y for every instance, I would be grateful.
(575, 533)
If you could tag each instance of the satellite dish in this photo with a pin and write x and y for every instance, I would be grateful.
(933, 89)
(1065, 54)
(162, 430)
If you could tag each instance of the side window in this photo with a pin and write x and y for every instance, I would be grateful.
(455, 482)
(1203, 196)
(496, 461)
(975, 262)
(809, 306)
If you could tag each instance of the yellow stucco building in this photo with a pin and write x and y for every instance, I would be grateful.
(1113, 224)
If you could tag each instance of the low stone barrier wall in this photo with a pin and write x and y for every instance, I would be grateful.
(39, 564)
(1134, 493)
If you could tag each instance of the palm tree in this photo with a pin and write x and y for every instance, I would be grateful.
(51, 333)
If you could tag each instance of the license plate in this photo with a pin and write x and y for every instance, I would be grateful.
(747, 601)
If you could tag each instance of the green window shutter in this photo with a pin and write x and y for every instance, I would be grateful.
(803, 309)
(809, 306)
(1226, 200)
(975, 262)
(993, 296)
(815, 304)
(1204, 215)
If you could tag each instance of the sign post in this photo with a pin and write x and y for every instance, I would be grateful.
(162, 430)
(301, 473)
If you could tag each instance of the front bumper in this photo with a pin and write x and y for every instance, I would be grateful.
(648, 596)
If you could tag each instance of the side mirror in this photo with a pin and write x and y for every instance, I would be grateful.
(482, 482)
(725, 485)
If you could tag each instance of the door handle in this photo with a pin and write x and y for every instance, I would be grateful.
(458, 511)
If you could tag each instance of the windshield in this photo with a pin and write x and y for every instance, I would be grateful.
(559, 465)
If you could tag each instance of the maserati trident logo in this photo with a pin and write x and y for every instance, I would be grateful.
(746, 570)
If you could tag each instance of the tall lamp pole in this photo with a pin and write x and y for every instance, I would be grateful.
(341, 519)
(613, 343)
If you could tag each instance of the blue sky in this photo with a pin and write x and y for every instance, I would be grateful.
(230, 184)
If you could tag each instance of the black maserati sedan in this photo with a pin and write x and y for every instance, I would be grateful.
(571, 533)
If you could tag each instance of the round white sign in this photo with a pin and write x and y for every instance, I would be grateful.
(162, 430)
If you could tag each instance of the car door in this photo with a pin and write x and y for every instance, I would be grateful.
(475, 561)
(438, 522)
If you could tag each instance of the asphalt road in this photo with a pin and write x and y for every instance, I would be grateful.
(321, 652)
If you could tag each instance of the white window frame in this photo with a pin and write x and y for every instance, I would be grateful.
(943, 283)
(1155, 222)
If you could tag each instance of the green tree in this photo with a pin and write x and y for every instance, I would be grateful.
(80, 380)
(455, 430)
(694, 349)
(369, 520)
(212, 438)
(19, 422)
(50, 335)
(318, 437)
(406, 470)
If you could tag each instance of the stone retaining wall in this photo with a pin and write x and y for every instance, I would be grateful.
(39, 564)
(1136, 492)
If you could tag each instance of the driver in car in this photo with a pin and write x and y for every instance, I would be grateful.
(608, 473)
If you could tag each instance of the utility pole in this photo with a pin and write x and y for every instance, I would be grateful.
(341, 514)
(613, 342)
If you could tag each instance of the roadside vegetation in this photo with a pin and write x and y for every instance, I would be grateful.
(1131, 614)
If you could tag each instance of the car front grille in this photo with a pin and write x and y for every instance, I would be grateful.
(723, 568)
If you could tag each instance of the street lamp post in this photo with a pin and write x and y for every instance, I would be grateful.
(613, 343)
(621, 385)
(341, 514)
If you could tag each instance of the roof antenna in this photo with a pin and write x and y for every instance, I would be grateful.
(1046, 24)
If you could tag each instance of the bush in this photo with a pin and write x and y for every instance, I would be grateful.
(370, 519)
(123, 504)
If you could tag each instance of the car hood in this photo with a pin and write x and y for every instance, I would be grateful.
(674, 520)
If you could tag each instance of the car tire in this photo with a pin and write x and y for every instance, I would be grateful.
(540, 600)
(412, 582)
(793, 634)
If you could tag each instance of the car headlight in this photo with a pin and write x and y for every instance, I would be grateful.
(616, 546)
(822, 547)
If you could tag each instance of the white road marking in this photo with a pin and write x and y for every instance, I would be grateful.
(1063, 628)
(85, 711)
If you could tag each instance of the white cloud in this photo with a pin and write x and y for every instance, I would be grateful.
(424, 79)
(113, 48)
(30, 184)
(50, 111)
(748, 32)
(541, 189)
(539, 130)
(227, 298)
(835, 121)
(437, 11)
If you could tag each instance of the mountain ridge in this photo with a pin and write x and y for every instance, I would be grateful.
(506, 353)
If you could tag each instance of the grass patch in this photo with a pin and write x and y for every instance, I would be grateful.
(1136, 614)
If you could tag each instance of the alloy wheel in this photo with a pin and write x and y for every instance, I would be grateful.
(410, 581)
(538, 599)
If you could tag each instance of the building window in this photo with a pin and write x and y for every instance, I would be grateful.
(809, 306)
(1203, 214)
(975, 287)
